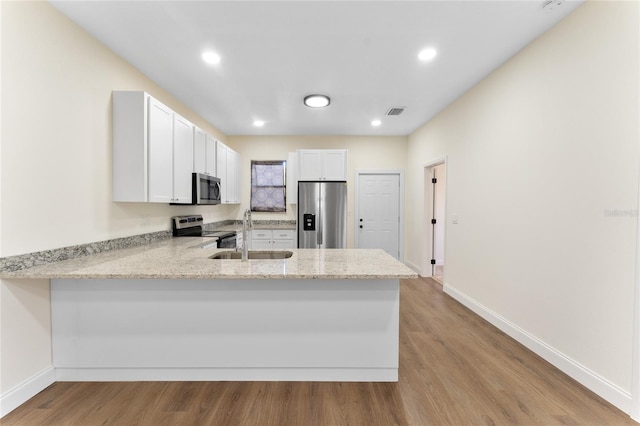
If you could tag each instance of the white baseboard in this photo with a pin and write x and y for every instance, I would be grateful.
(573, 369)
(227, 374)
(20, 394)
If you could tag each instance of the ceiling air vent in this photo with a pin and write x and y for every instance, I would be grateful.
(395, 110)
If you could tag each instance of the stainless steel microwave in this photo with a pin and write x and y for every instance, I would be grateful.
(205, 189)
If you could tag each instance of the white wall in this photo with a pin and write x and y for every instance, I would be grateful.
(365, 152)
(56, 164)
(55, 168)
(539, 155)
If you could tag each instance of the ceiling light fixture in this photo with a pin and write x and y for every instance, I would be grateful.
(258, 123)
(376, 123)
(211, 58)
(317, 101)
(427, 54)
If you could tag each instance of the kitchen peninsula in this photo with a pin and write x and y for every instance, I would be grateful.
(165, 311)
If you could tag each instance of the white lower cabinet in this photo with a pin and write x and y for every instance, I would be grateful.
(272, 239)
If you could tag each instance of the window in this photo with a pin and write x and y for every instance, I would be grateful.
(268, 186)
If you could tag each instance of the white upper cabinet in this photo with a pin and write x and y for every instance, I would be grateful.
(153, 151)
(182, 159)
(322, 164)
(228, 170)
(204, 152)
(235, 194)
(160, 149)
(210, 152)
(221, 170)
(309, 164)
(199, 151)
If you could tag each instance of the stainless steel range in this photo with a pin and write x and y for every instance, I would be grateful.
(192, 226)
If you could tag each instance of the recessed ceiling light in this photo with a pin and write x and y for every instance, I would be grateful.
(211, 58)
(376, 123)
(427, 54)
(258, 123)
(317, 101)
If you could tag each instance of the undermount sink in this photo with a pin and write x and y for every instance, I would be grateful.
(224, 255)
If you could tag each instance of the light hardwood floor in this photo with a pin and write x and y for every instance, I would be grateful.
(455, 369)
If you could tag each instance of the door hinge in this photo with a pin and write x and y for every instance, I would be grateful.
(434, 180)
(433, 261)
(433, 221)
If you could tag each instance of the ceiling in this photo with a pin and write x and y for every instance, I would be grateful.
(363, 54)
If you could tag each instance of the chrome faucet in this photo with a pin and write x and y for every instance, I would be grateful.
(247, 224)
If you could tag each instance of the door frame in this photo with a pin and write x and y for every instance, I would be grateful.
(356, 215)
(426, 249)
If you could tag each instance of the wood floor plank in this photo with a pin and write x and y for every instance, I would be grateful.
(455, 369)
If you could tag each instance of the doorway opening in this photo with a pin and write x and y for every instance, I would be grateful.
(434, 220)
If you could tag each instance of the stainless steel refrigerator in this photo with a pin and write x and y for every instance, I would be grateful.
(322, 214)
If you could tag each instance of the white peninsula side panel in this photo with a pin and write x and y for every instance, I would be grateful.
(284, 330)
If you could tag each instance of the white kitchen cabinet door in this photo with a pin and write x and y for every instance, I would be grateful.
(182, 159)
(228, 170)
(130, 146)
(210, 152)
(221, 170)
(237, 194)
(283, 239)
(160, 149)
(334, 164)
(272, 239)
(309, 164)
(199, 150)
(322, 164)
(231, 176)
(260, 239)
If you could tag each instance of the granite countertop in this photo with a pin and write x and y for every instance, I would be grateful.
(258, 226)
(181, 258)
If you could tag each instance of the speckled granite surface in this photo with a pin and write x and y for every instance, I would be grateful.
(29, 260)
(180, 258)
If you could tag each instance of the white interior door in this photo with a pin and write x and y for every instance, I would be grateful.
(378, 221)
